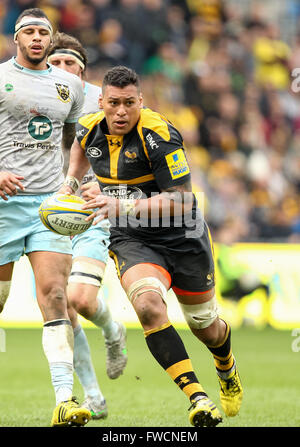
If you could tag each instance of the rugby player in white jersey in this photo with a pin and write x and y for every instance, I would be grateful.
(90, 255)
(39, 105)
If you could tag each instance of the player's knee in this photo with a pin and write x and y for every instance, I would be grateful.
(201, 317)
(82, 298)
(53, 295)
(81, 304)
(148, 295)
(4, 293)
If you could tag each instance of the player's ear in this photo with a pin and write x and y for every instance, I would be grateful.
(141, 100)
(100, 101)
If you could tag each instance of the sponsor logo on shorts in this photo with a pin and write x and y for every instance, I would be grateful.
(122, 265)
(63, 92)
(177, 164)
(210, 279)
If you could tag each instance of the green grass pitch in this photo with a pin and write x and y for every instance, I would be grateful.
(145, 396)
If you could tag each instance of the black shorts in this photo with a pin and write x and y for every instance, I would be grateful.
(189, 262)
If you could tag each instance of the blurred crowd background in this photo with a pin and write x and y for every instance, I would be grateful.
(225, 73)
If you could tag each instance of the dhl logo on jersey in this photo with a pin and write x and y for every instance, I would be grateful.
(177, 164)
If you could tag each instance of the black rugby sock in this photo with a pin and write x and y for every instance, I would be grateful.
(223, 357)
(168, 349)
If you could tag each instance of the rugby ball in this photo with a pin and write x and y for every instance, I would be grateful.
(62, 214)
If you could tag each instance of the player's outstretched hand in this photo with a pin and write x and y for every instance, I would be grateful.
(107, 207)
(9, 184)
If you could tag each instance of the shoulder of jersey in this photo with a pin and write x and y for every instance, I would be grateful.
(155, 122)
(91, 119)
(8, 65)
(9, 62)
(93, 87)
(65, 75)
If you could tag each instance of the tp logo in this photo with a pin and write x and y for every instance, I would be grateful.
(2, 340)
(40, 127)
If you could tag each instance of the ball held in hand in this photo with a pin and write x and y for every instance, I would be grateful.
(63, 214)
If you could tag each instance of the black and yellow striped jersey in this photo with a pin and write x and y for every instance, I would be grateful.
(147, 160)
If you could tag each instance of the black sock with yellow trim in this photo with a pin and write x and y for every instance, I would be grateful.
(168, 349)
(223, 357)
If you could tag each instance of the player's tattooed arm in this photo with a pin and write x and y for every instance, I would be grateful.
(68, 135)
(175, 200)
(179, 193)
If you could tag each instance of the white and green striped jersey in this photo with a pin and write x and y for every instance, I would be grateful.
(34, 105)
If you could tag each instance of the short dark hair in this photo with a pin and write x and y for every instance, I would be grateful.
(34, 12)
(120, 76)
(63, 40)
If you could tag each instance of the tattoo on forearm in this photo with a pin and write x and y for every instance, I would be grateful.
(179, 193)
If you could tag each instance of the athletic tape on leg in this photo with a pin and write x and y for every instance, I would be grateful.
(200, 316)
(86, 273)
(150, 284)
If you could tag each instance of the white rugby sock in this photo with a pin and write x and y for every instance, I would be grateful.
(102, 318)
(58, 342)
(83, 365)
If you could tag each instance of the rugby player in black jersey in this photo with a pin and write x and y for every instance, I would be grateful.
(159, 239)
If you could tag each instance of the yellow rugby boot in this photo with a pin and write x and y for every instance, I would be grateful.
(70, 414)
(231, 393)
(204, 413)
